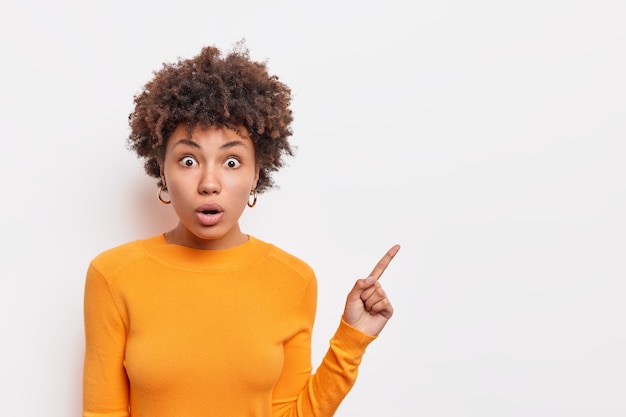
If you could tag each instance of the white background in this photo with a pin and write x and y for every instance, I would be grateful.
(485, 137)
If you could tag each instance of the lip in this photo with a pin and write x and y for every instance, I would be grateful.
(209, 214)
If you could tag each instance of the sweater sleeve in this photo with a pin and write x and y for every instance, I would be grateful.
(299, 393)
(105, 384)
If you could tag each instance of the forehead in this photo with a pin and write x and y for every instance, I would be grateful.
(201, 137)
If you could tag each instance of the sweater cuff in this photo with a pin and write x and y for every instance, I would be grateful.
(349, 339)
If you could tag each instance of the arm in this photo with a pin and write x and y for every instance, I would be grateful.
(105, 384)
(367, 310)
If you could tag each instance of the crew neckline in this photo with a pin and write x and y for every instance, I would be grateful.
(178, 256)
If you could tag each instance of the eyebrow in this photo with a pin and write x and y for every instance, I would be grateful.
(194, 144)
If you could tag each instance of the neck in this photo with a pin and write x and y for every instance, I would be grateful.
(180, 235)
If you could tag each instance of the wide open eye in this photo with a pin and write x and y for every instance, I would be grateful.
(232, 162)
(188, 161)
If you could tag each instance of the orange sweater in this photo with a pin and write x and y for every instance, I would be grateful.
(174, 332)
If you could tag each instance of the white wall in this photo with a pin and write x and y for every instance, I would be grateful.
(486, 137)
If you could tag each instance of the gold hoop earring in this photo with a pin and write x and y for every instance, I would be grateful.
(254, 195)
(161, 189)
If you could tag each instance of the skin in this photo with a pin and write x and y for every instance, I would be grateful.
(367, 307)
(215, 168)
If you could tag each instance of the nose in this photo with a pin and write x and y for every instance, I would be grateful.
(209, 182)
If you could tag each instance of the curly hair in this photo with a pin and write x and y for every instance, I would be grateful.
(214, 90)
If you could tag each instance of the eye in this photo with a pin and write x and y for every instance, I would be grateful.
(188, 161)
(232, 162)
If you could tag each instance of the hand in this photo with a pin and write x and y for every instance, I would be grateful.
(367, 307)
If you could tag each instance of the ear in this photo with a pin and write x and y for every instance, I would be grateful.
(162, 173)
(256, 176)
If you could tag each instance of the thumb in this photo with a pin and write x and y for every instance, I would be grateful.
(359, 286)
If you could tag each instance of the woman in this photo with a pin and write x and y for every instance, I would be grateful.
(205, 320)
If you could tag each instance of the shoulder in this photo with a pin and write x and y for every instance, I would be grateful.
(281, 259)
(117, 258)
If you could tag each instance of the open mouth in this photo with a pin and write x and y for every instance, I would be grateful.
(209, 214)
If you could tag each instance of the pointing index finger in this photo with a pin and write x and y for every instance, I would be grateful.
(384, 262)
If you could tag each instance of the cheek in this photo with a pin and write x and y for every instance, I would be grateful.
(178, 188)
(239, 187)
